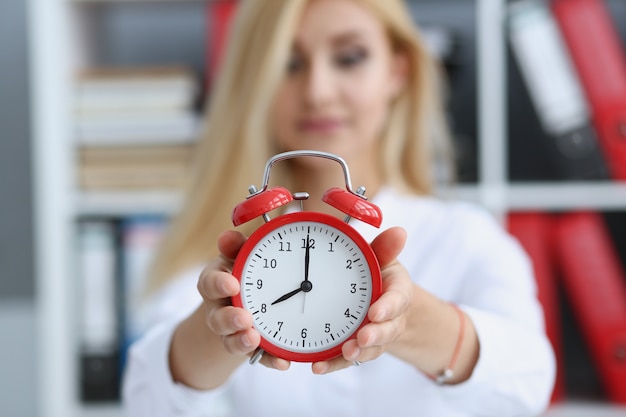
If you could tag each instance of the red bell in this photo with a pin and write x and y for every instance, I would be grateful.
(354, 206)
(261, 203)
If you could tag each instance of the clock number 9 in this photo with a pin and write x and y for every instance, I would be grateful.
(259, 284)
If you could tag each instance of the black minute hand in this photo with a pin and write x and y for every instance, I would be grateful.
(305, 285)
(306, 259)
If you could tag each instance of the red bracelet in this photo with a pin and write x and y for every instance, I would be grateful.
(447, 372)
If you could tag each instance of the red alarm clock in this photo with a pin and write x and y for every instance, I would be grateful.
(307, 278)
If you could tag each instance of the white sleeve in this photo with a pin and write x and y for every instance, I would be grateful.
(516, 368)
(149, 389)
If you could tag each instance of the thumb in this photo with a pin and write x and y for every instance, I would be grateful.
(388, 245)
(229, 243)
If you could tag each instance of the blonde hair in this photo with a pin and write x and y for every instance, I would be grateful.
(236, 143)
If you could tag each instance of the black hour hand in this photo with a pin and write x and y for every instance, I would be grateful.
(305, 286)
(287, 296)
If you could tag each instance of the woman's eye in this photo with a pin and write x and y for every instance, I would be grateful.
(295, 64)
(351, 58)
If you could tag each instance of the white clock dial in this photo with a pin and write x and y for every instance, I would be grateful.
(307, 285)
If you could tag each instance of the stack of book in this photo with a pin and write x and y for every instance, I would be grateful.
(571, 55)
(135, 127)
(113, 261)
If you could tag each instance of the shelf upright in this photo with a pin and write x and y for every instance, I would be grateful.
(52, 164)
(492, 163)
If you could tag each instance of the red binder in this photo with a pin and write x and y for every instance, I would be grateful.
(219, 16)
(595, 284)
(534, 232)
(598, 56)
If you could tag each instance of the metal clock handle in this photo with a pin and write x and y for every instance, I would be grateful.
(308, 153)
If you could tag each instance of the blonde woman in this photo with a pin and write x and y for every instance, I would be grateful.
(458, 330)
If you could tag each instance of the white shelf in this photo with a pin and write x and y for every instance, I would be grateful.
(555, 196)
(571, 408)
(105, 410)
(127, 203)
(567, 196)
(134, 1)
(547, 196)
(585, 409)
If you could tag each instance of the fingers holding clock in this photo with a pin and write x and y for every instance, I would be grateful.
(395, 300)
(229, 320)
(387, 323)
(242, 342)
(217, 285)
(273, 362)
(397, 285)
(388, 245)
(386, 315)
(233, 324)
(351, 352)
(229, 243)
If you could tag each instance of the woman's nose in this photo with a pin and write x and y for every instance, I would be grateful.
(320, 87)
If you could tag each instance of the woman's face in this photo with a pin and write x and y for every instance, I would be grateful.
(340, 79)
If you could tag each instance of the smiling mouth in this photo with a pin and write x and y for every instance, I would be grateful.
(320, 125)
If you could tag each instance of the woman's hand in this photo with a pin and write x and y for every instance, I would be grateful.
(234, 325)
(217, 337)
(409, 323)
(388, 315)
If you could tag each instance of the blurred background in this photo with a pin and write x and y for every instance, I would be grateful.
(100, 105)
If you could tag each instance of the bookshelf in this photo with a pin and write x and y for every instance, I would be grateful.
(62, 40)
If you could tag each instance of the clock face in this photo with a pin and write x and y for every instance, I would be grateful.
(308, 279)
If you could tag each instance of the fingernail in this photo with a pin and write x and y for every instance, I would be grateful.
(370, 340)
(381, 315)
(221, 287)
(322, 368)
(355, 354)
(245, 341)
(238, 323)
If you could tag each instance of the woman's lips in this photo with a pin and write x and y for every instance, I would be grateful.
(322, 125)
